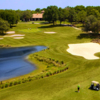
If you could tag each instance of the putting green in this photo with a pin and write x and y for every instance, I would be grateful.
(29, 30)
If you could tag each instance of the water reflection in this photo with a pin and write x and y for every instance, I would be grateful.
(12, 62)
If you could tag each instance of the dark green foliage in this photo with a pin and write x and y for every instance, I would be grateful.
(63, 14)
(4, 26)
(92, 11)
(27, 15)
(15, 82)
(57, 61)
(37, 10)
(51, 14)
(90, 20)
(11, 84)
(47, 74)
(72, 15)
(82, 16)
(54, 72)
(30, 79)
(50, 73)
(9, 15)
(49, 58)
(62, 62)
(2, 86)
(23, 80)
(79, 8)
(96, 27)
(42, 76)
(19, 81)
(6, 85)
(48, 66)
(53, 59)
(58, 71)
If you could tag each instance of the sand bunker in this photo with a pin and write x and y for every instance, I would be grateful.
(10, 32)
(1, 38)
(50, 32)
(18, 37)
(87, 50)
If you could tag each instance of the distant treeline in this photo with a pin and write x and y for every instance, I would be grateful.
(10, 17)
(13, 16)
(53, 13)
(71, 14)
(89, 16)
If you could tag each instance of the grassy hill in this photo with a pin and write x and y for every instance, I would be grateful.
(62, 86)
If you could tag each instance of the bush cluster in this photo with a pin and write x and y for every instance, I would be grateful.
(2, 46)
(50, 61)
(48, 72)
(28, 79)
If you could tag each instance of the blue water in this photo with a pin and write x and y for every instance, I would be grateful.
(13, 62)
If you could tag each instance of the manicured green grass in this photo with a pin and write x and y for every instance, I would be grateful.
(61, 86)
(29, 30)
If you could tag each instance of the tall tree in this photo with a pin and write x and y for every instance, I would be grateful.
(51, 14)
(4, 26)
(93, 12)
(61, 15)
(82, 16)
(79, 8)
(37, 10)
(89, 23)
(96, 26)
(9, 15)
(27, 15)
(72, 15)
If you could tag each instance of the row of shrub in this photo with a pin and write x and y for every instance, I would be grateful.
(3, 46)
(49, 61)
(31, 78)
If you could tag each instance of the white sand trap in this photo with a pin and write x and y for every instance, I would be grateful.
(87, 50)
(10, 32)
(18, 37)
(1, 38)
(50, 32)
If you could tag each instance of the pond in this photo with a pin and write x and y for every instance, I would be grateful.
(13, 62)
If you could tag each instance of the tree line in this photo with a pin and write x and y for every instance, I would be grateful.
(71, 14)
(10, 17)
(89, 16)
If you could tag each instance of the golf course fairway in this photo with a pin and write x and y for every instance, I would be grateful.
(61, 86)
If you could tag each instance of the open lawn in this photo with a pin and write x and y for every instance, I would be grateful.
(62, 86)
(29, 30)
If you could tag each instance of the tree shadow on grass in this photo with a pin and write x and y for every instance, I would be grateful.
(89, 35)
(44, 23)
(12, 26)
(58, 25)
(2, 34)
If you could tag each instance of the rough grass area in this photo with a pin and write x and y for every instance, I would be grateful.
(62, 86)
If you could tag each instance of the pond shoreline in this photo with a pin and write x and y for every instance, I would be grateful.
(16, 63)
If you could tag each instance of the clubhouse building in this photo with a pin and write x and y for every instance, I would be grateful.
(38, 16)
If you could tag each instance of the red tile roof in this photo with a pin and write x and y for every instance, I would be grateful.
(37, 15)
